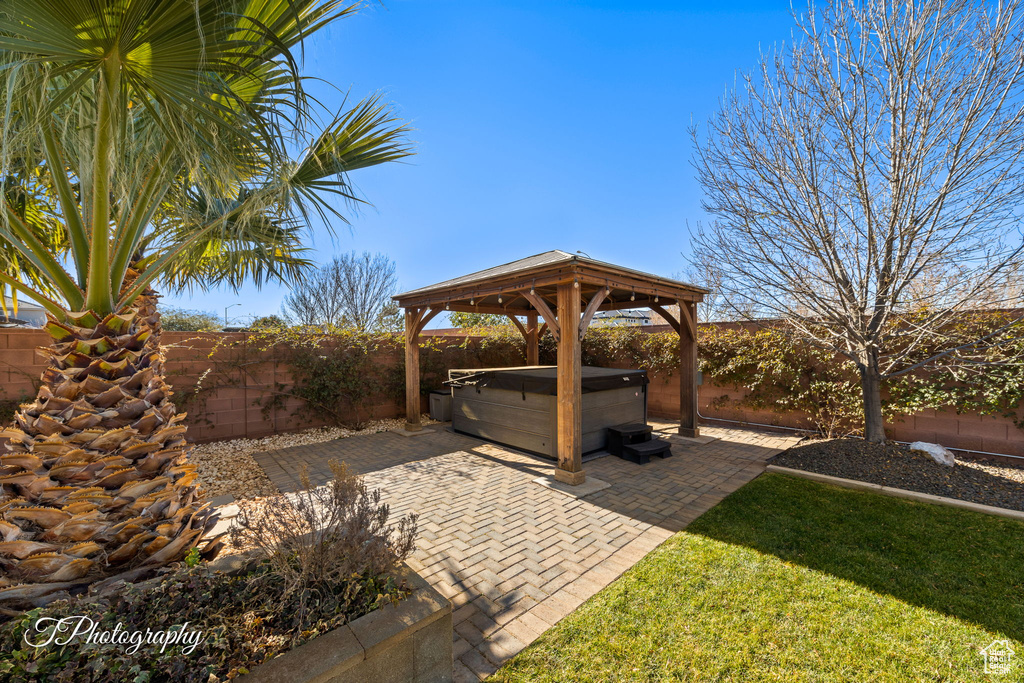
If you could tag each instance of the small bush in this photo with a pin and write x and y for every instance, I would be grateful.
(327, 559)
(268, 322)
(322, 536)
(181, 320)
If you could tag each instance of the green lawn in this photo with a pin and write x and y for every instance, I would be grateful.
(789, 580)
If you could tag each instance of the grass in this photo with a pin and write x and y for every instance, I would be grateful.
(790, 580)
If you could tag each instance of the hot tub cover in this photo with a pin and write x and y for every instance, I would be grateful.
(543, 379)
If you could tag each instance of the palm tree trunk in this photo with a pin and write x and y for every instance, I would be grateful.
(95, 479)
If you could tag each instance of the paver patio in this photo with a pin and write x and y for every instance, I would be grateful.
(513, 556)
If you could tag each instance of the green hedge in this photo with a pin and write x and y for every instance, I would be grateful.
(340, 374)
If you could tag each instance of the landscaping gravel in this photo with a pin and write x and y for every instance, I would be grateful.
(227, 467)
(897, 466)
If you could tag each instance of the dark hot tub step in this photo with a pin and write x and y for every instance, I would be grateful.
(641, 453)
(622, 435)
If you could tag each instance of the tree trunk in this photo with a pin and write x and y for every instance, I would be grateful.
(96, 479)
(871, 387)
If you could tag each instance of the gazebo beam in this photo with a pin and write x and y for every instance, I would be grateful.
(687, 330)
(595, 301)
(688, 370)
(532, 340)
(413, 318)
(657, 308)
(519, 326)
(490, 310)
(530, 336)
(645, 302)
(478, 291)
(550, 318)
(524, 283)
(569, 408)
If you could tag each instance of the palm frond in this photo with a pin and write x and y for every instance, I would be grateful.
(200, 114)
(366, 135)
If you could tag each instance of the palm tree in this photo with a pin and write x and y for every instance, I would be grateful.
(145, 141)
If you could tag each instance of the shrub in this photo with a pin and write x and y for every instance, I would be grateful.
(784, 376)
(318, 564)
(268, 322)
(324, 535)
(482, 320)
(182, 320)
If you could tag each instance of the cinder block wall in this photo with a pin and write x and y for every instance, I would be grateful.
(20, 365)
(230, 404)
(229, 410)
(993, 434)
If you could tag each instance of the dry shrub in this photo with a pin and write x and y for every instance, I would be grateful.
(325, 537)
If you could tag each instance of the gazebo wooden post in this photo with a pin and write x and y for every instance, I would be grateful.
(688, 369)
(570, 418)
(412, 369)
(532, 340)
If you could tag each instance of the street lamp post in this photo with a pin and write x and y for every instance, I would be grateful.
(226, 313)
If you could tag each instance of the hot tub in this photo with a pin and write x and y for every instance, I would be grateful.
(518, 406)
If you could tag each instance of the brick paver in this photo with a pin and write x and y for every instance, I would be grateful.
(513, 556)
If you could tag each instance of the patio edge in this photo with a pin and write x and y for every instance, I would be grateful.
(898, 493)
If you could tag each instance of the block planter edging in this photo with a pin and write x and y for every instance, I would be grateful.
(407, 641)
(898, 493)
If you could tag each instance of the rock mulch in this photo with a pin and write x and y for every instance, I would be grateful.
(227, 467)
(897, 466)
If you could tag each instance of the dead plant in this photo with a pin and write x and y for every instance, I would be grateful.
(326, 542)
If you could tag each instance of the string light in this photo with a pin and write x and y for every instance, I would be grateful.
(655, 298)
(576, 284)
(499, 298)
(632, 297)
(472, 302)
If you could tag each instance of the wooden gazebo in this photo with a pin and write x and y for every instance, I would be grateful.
(562, 292)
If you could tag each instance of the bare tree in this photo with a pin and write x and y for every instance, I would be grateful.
(866, 181)
(351, 291)
(715, 307)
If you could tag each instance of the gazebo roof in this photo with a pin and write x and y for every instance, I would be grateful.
(503, 289)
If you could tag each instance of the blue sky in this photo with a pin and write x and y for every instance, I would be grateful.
(538, 125)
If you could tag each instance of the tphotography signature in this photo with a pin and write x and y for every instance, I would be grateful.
(49, 630)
